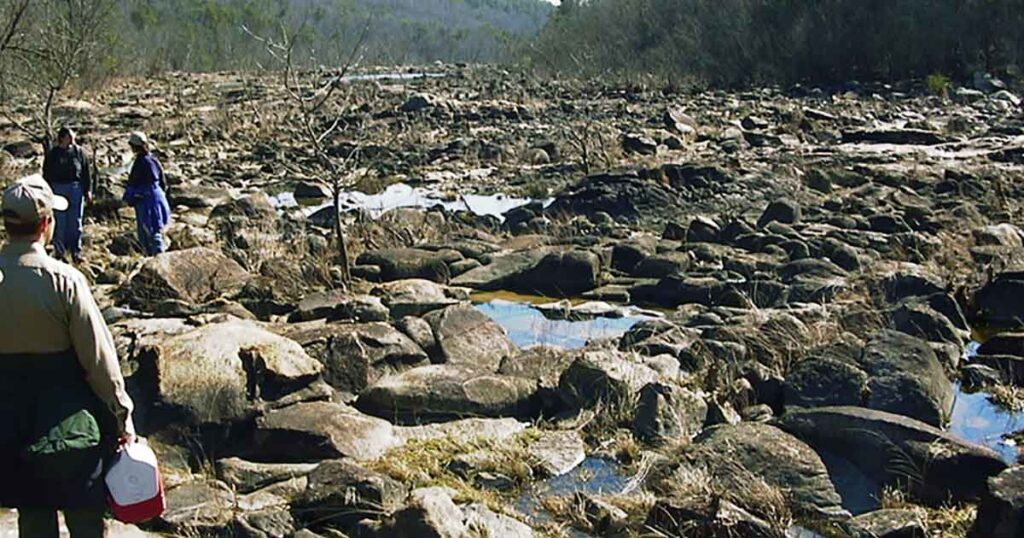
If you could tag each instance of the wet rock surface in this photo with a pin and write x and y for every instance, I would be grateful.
(819, 268)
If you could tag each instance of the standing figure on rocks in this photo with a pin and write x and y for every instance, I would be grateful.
(66, 169)
(63, 404)
(146, 192)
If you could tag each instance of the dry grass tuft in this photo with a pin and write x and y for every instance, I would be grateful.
(731, 482)
(571, 510)
(1007, 397)
(426, 463)
(950, 521)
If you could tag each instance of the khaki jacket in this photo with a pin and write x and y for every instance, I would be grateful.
(46, 308)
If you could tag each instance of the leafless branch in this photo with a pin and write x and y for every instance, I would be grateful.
(310, 111)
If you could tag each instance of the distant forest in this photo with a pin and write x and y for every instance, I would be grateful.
(708, 42)
(737, 42)
(204, 35)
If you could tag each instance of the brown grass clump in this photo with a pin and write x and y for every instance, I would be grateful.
(427, 463)
(730, 482)
(949, 521)
(1007, 397)
(572, 510)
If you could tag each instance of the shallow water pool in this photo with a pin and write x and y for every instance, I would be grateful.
(527, 326)
(401, 195)
(595, 476)
(976, 419)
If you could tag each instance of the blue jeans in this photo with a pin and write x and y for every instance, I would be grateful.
(67, 237)
(152, 243)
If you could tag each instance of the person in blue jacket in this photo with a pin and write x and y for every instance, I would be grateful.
(147, 193)
(66, 169)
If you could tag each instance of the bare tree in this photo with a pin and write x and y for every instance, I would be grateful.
(12, 16)
(589, 142)
(12, 30)
(46, 46)
(313, 95)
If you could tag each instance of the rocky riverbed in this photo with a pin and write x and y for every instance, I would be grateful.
(579, 309)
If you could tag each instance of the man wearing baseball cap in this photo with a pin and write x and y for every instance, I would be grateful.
(63, 404)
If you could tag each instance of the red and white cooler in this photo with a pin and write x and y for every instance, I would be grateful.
(134, 487)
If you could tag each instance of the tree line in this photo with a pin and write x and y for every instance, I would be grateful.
(205, 35)
(742, 42)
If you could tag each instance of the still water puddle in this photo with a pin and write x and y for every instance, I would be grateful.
(401, 195)
(398, 77)
(527, 326)
(595, 476)
(977, 419)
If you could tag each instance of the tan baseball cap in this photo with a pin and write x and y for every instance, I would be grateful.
(30, 199)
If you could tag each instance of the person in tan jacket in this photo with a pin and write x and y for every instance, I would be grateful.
(63, 404)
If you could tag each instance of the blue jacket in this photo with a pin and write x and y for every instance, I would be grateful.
(146, 170)
(145, 192)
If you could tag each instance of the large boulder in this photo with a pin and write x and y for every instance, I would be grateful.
(413, 297)
(910, 280)
(1003, 235)
(196, 275)
(1001, 510)
(917, 317)
(785, 211)
(778, 458)
(545, 365)
(200, 508)
(430, 513)
(445, 391)
(704, 517)
(355, 355)
(135, 334)
(822, 381)
(338, 305)
(1003, 344)
(639, 143)
(604, 376)
(894, 372)
(466, 429)
(561, 274)
(667, 412)
(257, 207)
(675, 290)
(890, 523)
(917, 137)
(466, 336)
(556, 453)
(502, 270)
(626, 254)
(485, 522)
(342, 492)
(619, 194)
(1000, 369)
(403, 263)
(656, 337)
(906, 378)
(315, 431)
(997, 304)
(894, 449)
(663, 265)
(217, 373)
(198, 196)
(247, 477)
